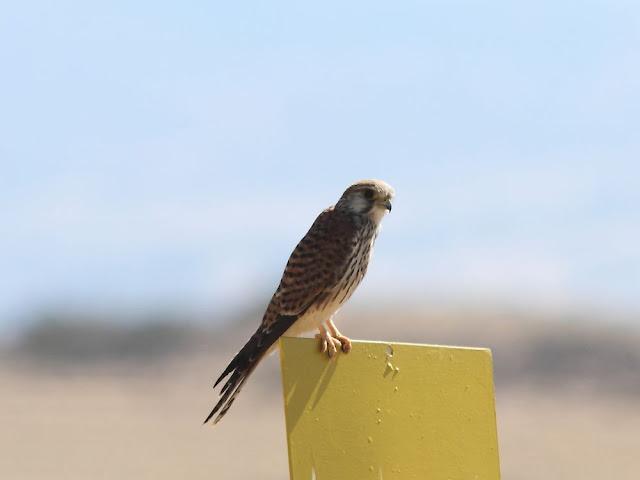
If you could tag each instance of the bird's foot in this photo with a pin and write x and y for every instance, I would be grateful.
(344, 341)
(329, 344)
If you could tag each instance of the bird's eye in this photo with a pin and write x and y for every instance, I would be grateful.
(368, 194)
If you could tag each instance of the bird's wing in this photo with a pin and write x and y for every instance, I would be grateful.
(314, 268)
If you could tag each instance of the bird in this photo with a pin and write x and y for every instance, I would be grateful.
(323, 271)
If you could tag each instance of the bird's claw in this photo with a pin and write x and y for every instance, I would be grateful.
(330, 344)
(344, 342)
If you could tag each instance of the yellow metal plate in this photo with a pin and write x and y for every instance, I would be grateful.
(389, 411)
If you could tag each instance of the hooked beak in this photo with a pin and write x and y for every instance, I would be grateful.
(387, 205)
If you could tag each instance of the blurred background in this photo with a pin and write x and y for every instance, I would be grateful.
(160, 161)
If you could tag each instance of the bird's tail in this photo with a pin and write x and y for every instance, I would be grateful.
(246, 361)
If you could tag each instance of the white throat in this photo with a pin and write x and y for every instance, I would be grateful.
(377, 213)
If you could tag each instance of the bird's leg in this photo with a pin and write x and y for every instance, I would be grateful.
(328, 343)
(345, 342)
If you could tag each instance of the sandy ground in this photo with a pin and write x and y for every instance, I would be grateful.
(143, 423)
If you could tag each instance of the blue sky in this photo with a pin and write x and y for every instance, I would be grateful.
(173, 154)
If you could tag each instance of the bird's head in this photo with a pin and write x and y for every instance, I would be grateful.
(368, 197)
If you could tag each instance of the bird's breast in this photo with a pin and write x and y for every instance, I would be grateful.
(355, 269)
(351, 276)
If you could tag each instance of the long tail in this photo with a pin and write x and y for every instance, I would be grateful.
(246, 361)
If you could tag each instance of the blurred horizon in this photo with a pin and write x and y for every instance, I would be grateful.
(93, 399)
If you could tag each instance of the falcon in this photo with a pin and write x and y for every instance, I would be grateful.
(322, 273)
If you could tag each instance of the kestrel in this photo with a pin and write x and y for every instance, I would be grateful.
(322, 273)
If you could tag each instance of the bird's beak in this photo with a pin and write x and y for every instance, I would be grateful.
(387, 205)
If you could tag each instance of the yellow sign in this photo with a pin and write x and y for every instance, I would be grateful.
(389, 411)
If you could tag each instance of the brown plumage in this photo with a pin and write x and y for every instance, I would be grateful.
(322, 273)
